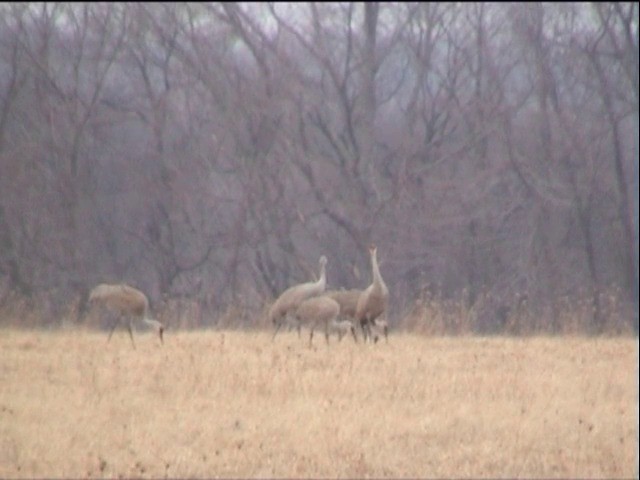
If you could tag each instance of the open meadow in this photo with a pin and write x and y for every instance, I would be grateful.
(236, 404)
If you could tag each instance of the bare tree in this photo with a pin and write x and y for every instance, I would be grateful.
(210, 152)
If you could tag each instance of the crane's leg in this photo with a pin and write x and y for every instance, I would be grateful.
(293, 322)
(311, 337)
(365, 332)
(326, 332)
(113, 327)
(381, 327)
(130, 332)
(278, 325)
(353, 332)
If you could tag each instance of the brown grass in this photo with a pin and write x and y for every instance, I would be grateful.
(235, 404)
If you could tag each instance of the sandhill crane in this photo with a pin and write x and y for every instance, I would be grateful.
(128, 303)
(348, 301)
(381, 325)
(289, 300)
(321, 311)
(343, 327)
(373, 301)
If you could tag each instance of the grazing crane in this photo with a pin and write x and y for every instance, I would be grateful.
(348, 300)
(289, 300)
(343, 327)
(381, 325)
(373, 301)
(128, 303)
(322, 311)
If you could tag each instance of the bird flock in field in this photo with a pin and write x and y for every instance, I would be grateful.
(306, 304)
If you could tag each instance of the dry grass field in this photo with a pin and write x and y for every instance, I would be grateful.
(235, 404)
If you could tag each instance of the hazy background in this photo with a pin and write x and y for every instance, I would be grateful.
(210, 153)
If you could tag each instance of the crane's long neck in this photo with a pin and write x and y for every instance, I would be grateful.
(156, 325)
(322, 281)
(377, 277)
(311, 289)
(146, 311)
(146, 317)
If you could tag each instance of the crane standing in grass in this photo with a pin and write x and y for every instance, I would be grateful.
(373, 302)
(348, 300)
(128, 303)
(321, 311)
(289, 300)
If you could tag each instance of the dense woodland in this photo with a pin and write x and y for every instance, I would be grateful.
(209, 153)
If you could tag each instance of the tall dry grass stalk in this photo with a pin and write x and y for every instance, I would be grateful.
(431, 314)
(235, 404)
(434, 314)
